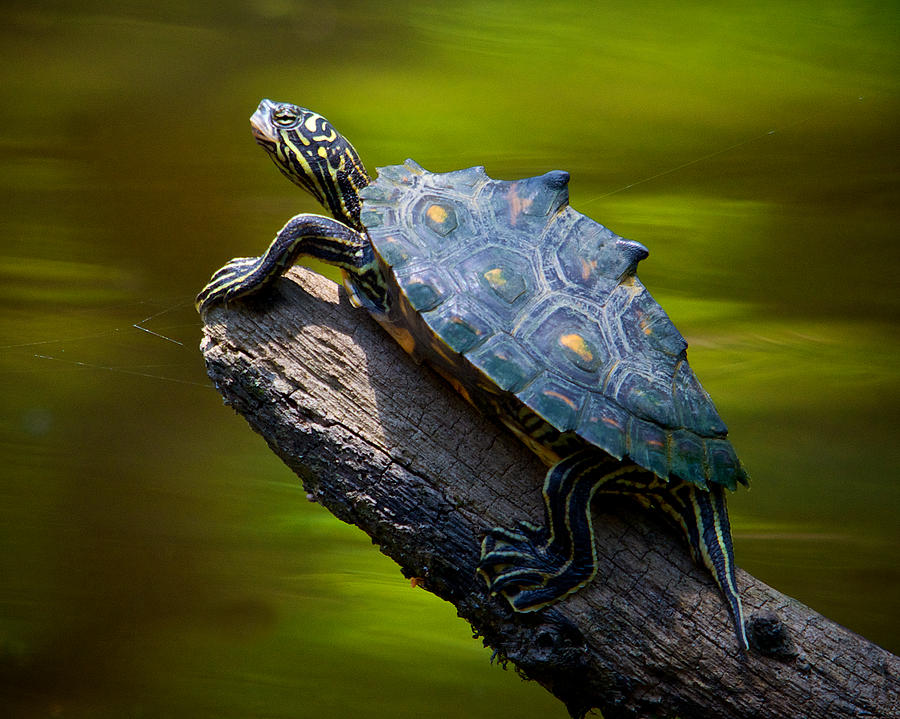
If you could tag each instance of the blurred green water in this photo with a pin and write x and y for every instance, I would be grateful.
(160, 562)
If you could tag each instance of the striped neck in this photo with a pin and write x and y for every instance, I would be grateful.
(313, 155)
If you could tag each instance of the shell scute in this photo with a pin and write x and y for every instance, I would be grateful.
(464, 180)
(501, 277)
(648, 446)
(568, 340)
(504, 360)
(688, 457)
(395, 246)
(540, 196)
(425, 288)
(645, 392)
(405, 174)
(438, 215)
(724, 466)
(554, 399)
(382, 193)
(458, 324)
(525, 205)
(604, 424)
(694, 406)
(654, 329)
(589, 260)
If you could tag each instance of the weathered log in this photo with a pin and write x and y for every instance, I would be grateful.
(386, 445)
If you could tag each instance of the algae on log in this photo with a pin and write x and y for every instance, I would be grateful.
(386, 445)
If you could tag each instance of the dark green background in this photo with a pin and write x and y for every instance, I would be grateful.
(159, 561)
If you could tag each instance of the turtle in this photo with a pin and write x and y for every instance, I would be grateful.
(534, 313)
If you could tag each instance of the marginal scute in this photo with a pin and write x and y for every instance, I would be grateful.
(399, 174)
(503, 360)
(644, 393)
(412, 167)
(458, 325)
(724, 466)
(425, 288)
(648, 446)
(604, 425)
(422, 296)
(654, 328)
(555, 399)
(465, 180)
(525, 206)
(632, 252)
(382, 193)
(371, 218)
(687, 454)
(588, 259)
(545, 194)
(394, 247)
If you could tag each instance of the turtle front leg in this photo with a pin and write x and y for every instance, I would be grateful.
(536, 566)
(304, 235)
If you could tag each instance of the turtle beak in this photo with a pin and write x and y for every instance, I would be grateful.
(261, 124)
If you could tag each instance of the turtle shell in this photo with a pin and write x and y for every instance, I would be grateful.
(534, 312)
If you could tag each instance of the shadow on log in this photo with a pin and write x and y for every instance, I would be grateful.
(386, 445)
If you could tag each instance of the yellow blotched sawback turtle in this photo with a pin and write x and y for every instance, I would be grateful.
(534, 313)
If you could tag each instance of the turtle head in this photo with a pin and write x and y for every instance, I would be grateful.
(313, 155)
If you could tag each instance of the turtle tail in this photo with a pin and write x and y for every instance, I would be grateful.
(703, 517)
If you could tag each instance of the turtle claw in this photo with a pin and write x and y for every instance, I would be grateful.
(524, 534)
(236, 279)
(512, 560)
(521, 564)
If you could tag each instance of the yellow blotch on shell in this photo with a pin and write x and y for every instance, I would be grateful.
(576, 343)
(322, 152)
(644, 322)
(495, 277)
(436, 213)
(560, 396)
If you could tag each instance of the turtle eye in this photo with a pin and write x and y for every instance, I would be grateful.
(284, 116)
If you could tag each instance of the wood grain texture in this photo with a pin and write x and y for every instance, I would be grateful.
(386, 445)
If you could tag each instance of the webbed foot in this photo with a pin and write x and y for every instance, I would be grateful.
(521, 564)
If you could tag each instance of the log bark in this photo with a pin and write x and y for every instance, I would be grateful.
(387, 445)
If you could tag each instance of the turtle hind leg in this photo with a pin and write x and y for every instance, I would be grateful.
(703, 517)
(536, 566)
(303, 236)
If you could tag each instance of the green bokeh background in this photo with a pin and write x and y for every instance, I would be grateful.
(158, 561)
